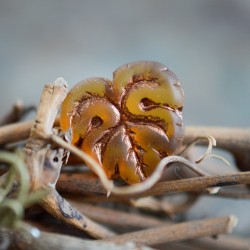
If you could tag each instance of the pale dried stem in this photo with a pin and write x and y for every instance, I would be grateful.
(10, 239)
(35, 149)
(178, 232)
(153, 204)
(211, 142)
(116, 218)
(197, 183)
(228, 138)
(132, 189)
(62, 210)
(235, 140)
(16, 113)
(77, 184)
(44, 170)
(82, 184)
(223, 242)
(15, 132)
(88, 183)
(229, 194)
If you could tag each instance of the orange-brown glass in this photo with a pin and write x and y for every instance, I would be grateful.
(130, 124)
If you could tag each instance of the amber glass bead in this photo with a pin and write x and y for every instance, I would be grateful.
(130, 124)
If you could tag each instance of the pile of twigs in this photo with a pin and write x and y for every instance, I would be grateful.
(81, 209)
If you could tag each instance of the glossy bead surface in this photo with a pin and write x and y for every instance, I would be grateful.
(130, 124)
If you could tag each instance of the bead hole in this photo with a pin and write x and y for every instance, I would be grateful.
(146, 103)
(96, 122)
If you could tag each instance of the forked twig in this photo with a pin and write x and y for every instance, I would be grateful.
(44, 162)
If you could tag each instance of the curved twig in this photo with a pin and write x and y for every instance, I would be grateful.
(133, 189)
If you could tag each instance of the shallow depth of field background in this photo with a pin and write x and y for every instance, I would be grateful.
(206, 43)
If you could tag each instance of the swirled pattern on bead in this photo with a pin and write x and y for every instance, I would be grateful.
(130, 124)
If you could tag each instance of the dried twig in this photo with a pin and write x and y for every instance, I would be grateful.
(44, 163)
(62, 210)
(236, 193)
(178, 232)
(235, 140)
(16, 113)
(76, 183)
(10, 239)
(116, 218)
(223, 242)
(151, 203)
(228, 138)
(128, 189)
(197, 183)
(232, 195)
(15, 132)
(80, 183)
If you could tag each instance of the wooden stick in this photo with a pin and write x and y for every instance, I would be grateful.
(62, 210)
(227, 138)
(79, 183)
(17, 111)
(178, 232)
(228, 194)
(10, 239)
(15, 132)
(198, 183)
(235, 140)
(116, 218)
(223, 242)
(44, 162)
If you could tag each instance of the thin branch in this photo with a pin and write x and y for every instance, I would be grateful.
(228, 138)
(44, 162)
(80, 183)
(197, 183)
(235, 140)
(228, 194)
(62, 210)
(76, 183)
(223, 242)
(10, 239)
(178, 232)
(128, 189)
(15, 132)
(16, 113)
(116, 218)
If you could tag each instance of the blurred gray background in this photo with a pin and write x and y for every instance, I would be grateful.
(206, 43)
